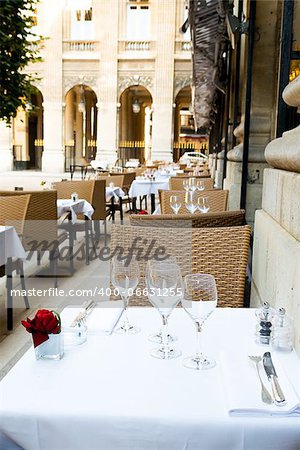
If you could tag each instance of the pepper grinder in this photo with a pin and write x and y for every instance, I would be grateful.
(264, 324)
(283, 333)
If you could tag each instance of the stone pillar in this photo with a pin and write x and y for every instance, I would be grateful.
(69, 118)
(107, 13)
(79, 132)
(162, 131)
(6, 154)
(263, 107)
(53, 154)
(219, 170)
(276, 251)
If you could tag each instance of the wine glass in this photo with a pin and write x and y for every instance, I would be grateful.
(200, 300)
(190, 204)
(186, 184)
(192, 184)
(175, 203)
(200, 185)
(125, 278)
(203, 204)
(165, 290)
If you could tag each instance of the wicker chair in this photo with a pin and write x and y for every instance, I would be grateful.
(209, 220)
(222, 252)
(13, 210)
(217, 200)
(176, 183)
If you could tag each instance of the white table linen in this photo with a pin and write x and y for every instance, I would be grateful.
(112, 395)
(114, 192)
(10, 244)
(139, 188)
(80, 206)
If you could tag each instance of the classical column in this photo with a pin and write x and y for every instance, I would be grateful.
(107, 13)
(79, 132)
(162, 131)
(263, 106)
(69, 118)
(53, 154)
(6, 155)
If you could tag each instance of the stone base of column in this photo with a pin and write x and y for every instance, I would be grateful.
(7, 160)
(53, 161)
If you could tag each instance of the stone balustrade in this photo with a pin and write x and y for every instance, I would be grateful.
(137, 45)
(79, 46)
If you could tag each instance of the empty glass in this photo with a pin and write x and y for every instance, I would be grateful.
(192, 184)
(175, 203)
(125, 278)
(186, 184)
(200, 185)
(190, 202)
(200, 300)
(165, 290)
(203, 204)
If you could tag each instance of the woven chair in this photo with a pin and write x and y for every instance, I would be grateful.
(209, 220)
(85, 190)
(217, 200)
(176, 183)
(13, 210)
(221, 252)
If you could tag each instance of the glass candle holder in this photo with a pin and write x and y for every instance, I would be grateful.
(53, 348)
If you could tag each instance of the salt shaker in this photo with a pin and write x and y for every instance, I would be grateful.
(264, 324)
(283, 333)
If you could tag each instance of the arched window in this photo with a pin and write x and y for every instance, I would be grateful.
(138, 20)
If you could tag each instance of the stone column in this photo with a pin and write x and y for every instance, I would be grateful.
(276, 252)
(107, 13)
(6, 154)
(69, 118)
(53, 154)
(162, 131)
(263, 107)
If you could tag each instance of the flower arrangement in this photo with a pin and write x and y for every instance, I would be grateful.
(45, 322)
(143, 211)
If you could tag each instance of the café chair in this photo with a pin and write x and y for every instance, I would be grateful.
(217, 200)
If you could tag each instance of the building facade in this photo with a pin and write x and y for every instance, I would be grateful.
(115, 75)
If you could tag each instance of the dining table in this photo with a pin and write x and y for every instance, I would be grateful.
(143, 187)
(111, 394)
(74, 207)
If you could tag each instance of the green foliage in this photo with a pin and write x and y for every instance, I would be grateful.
(18, 47)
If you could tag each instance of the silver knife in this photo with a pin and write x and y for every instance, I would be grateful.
(278, 395)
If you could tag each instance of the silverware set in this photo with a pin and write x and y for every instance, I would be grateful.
(277, 396)
(81, 317)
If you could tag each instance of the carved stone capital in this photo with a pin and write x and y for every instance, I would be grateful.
(88, 80)
(125, 81)
(181, 81)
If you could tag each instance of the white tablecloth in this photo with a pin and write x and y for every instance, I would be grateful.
(10, 245)
(139, 188)
(110, 394)
(77, 207)
(115, 192)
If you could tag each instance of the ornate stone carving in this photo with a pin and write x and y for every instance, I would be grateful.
(125, 81)
(73, 80)
(181, 81)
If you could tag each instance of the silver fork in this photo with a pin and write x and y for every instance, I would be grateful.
(265, 395)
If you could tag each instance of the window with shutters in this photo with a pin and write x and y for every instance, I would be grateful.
(138, 20)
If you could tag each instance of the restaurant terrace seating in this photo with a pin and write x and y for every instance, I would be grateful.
(221, 252)
(208, 220)
(217, 200)
(176, 183)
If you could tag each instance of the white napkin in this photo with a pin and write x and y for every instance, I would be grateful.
(101, 320)
(243, 391)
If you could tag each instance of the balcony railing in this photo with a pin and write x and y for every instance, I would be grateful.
(80, 46)
(135, 46)
(183, 46)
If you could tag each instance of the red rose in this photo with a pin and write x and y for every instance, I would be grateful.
(44, 322)
(143, 212)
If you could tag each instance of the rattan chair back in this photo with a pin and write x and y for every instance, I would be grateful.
(129, 177)
(209, 220)
(221, 252)
(176, 183)
(13, 210)
(217, 200)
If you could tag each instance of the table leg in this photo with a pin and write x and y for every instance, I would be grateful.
(9, 306)
(134, 205)
(152, 203)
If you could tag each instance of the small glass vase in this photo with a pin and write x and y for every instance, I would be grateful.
(53, 348)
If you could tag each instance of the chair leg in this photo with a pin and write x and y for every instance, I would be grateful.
(97, 229)
(22, 280)
(105, 233)
(121, 210)
(9, 300)
(87, 259)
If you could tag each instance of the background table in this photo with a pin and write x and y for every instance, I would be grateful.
(140, 188)
(110, 394)
(10, 245)
(78, 207)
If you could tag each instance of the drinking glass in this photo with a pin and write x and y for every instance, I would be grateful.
(175, 203)
(200, 185)
(125, 278)
(190, 204)
(192, 184)
(186, 184)
(203, 204)
(200, 300)
(165, 290)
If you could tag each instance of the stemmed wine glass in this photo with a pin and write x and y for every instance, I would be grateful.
(192, 184)
(200, 300)
(200, 185)
(186, 184)
(165, 290)
(190, 204)
(203, 204)
(125, 278)
(175, 203)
